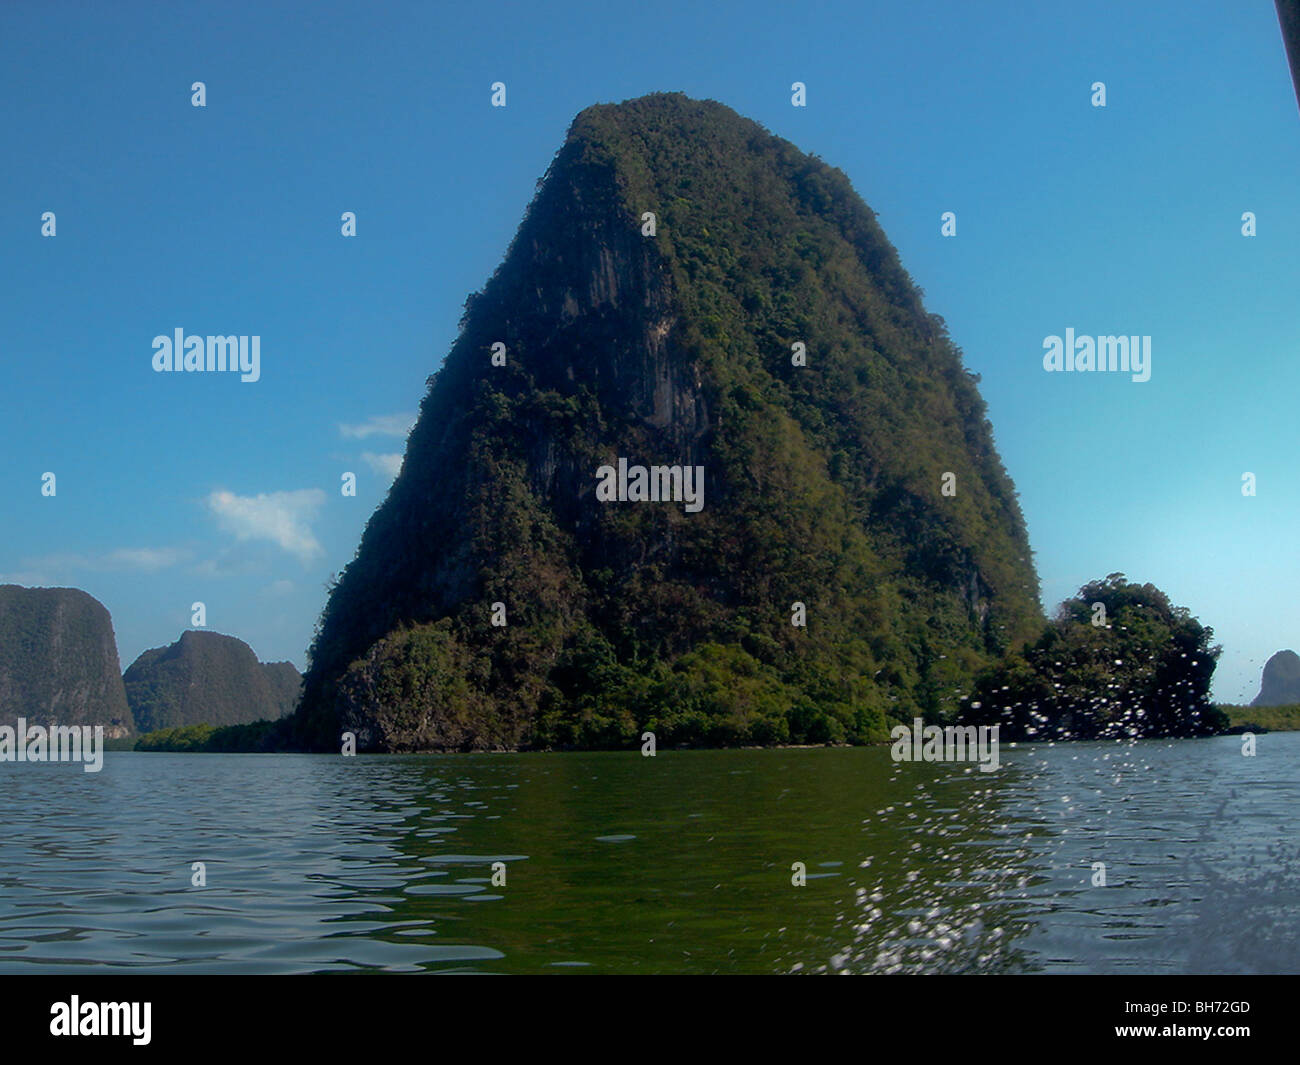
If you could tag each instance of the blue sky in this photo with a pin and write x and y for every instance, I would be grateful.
(176, 488)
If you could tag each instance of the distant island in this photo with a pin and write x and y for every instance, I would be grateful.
(59, 666)
(206, 678)
(58, 661)
(1280, 684)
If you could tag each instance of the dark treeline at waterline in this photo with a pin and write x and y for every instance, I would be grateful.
(1117, 661)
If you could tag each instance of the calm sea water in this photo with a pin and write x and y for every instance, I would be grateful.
(680, 863)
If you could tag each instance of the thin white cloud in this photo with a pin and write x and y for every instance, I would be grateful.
(389, 465)
(136, 559)
(27, 578)
(146, 558)
(280, 517)
(235, 563)
(380, 425)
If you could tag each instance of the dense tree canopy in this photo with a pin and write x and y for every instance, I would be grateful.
(1118, 659)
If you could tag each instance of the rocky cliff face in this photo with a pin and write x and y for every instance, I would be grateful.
(207, 678)
(58, 660)
(1280, 685)
(286, 687)
(497, 601)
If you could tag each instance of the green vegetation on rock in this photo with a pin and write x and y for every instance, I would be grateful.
(205, 678)
(1264, 718)
(823, 482)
